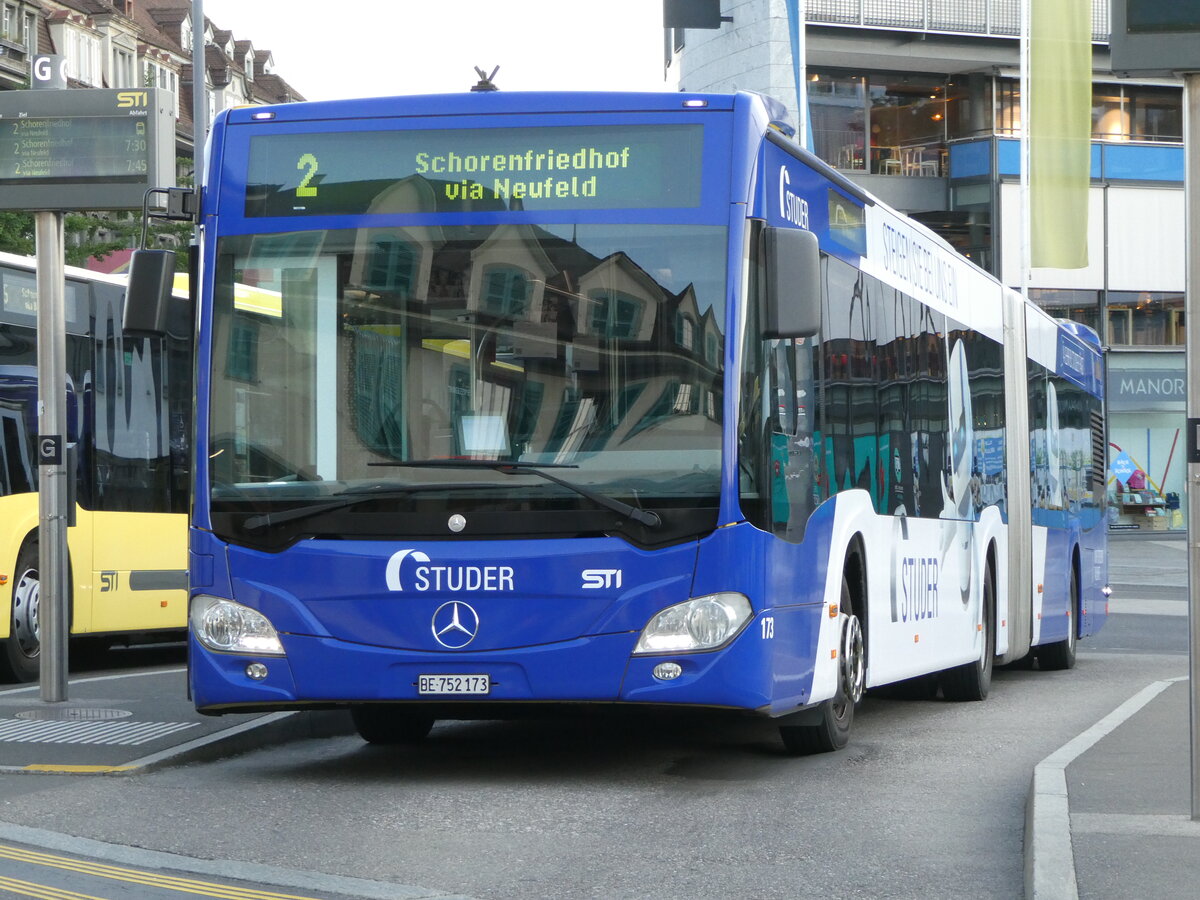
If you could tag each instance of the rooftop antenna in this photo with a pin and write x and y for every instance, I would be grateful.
(485, 81)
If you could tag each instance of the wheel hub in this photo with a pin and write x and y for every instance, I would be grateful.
(25, 620)
(854, 668)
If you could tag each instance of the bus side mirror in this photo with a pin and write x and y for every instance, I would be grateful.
(792, 295)
(148, 295)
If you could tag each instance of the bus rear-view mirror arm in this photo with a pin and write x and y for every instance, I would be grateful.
(148, 296)
(792, 288)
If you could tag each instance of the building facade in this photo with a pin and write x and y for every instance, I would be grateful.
(137, 43)
(919, 101)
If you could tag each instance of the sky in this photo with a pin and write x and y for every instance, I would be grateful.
(359, 48)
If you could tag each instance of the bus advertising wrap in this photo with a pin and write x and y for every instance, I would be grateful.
(794, 196)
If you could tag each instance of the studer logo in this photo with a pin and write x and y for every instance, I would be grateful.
(422, 574)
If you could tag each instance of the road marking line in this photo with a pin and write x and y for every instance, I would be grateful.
(73, 770)
(254, 873)
(41, 891)
(94, 678)
(139, 876)
(1155, 825)
(1139, 607)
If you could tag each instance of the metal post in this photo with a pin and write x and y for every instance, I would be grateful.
(801, 63)
(1191, 130)
(1026, 231)
(52, 470)
(199, 93)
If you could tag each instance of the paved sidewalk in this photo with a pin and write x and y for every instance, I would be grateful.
(1109, 813)
(131, 722)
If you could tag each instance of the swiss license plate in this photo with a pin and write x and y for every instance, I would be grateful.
(453, 684)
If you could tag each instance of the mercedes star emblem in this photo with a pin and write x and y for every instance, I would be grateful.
(455, 624)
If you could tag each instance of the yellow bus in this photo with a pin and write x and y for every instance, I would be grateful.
(128, 409)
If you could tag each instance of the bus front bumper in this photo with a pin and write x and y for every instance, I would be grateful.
(325, 672)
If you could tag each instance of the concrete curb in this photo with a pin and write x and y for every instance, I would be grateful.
(1049, 855)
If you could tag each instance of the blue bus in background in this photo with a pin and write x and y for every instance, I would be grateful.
(514, 400)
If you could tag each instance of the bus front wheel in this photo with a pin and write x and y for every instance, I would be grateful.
(22, 650)
(832, 730)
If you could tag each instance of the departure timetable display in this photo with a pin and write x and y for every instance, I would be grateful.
(66, 149)
(589, 167)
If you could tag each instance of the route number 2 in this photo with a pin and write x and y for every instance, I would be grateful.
(306, 189)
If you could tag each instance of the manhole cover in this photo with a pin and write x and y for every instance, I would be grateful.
(74, 714)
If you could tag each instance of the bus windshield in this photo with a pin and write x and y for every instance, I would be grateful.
(369, 364)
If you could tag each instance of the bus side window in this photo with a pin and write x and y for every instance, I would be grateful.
(16, 466)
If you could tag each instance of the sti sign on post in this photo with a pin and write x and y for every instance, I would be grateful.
(84, 149)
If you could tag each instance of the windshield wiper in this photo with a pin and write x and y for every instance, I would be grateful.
(343, 500)
(646, 517)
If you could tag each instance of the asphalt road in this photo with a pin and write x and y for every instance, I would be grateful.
(927, 802)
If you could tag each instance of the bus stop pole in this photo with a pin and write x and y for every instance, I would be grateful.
(199, 94)
(52, 471)
(1191, 98)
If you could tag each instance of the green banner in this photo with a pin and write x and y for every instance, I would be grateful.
(1060, 126)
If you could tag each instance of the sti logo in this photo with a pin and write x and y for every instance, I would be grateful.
(130, 99)
(597, 579)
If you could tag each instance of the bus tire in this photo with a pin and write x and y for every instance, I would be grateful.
(832, 729)
(20, 660)
(390, 725)
(1061, 654)
(973, 680)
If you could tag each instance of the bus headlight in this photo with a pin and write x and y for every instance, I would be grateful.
(702, 623)
(229, 627)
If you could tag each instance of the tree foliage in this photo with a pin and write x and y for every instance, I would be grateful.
(16, 233)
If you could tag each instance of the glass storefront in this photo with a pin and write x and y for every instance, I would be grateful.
(894, 123)
(1120, 112)
(1147, 457)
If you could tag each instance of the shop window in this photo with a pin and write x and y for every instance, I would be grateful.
(1123, 112)
(1076, 306)
(837, 116)
(1144, 318)
(1008, 107)
(1156, 113)
(907, 125)
(894, 123)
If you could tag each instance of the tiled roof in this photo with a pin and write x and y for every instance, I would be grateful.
(159, 23)
(273, 89)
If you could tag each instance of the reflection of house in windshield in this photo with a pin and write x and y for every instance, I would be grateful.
(510, 323)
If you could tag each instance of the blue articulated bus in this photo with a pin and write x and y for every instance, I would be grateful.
(516, 400)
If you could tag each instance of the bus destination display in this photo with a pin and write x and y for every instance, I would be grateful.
(69, 150)
(381, 172)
